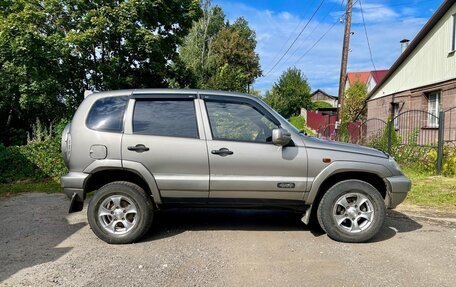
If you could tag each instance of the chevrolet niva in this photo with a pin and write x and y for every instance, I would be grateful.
(145, 150)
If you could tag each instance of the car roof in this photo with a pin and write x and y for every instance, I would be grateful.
(174, 92)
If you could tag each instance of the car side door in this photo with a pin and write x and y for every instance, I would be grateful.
(164, 133)
(244, 163)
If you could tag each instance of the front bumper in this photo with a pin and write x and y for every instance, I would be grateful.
(73, 186)
(398, 187)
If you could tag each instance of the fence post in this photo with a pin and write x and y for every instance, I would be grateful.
(440, 142)
(390, 131)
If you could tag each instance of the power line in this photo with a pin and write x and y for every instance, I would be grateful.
(297, 37)
(367, 37)
(324, 35)
(310, 34)
(288, 40)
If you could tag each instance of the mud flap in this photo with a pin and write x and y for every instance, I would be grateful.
(76, 203)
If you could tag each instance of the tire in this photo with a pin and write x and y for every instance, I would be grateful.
(120, 212)
(342, 216)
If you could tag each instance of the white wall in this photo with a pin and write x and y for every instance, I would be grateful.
(431, 62)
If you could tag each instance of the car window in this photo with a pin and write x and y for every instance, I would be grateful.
(107, 114)
(173, 118)
(239, 122)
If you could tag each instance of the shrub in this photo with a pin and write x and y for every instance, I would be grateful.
(38, 160)
(300, 124)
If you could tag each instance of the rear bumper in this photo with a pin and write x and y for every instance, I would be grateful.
(73, 183)
(398, 187)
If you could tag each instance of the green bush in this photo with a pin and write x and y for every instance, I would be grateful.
(321, 105)
(300, 124)
(38, 161)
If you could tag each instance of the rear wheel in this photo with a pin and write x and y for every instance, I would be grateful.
(120, 212)
(351, 211)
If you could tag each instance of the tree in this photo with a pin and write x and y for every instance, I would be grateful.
(290, 93)
(196, 50)
(221, 55)
(51, 51)
(237, 63)
(354, 99)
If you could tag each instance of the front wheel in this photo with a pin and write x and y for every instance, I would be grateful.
(351, 211)
(120, 212)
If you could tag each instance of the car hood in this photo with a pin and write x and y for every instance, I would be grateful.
(317, 143)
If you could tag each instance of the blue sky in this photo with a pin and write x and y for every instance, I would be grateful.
(277, 23)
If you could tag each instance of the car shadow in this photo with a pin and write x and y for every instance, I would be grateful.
(32, 227)
(168, 223)
(396, 222)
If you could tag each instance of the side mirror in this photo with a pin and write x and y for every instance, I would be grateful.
(280, 137)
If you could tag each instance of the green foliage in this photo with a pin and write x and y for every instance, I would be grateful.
(321, 105)
(38, 160)
(354, 101)
(51, 51)
(449, 161)
(290, 93)
(300, 123)
(221, 55)
(48, 186)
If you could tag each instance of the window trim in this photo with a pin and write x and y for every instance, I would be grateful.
(396, 111)
(122, 128)
(227, 99)
(151, 98)
(434, 117)
(453, 35)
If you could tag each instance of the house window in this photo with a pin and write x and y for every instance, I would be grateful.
(395, 114)
(433, 109)
(453, 38)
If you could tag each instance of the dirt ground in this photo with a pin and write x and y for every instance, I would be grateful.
(42, 245)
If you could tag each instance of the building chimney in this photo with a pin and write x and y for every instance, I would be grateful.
(404, 44)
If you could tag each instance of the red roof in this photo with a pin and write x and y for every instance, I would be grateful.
(358, 76)
(379, 75)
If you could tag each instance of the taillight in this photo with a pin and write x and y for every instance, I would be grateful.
(66, 145)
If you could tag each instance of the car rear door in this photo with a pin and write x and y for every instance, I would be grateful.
(244, 163)
(164, 133)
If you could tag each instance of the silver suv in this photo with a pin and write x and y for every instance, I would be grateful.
(144, 150)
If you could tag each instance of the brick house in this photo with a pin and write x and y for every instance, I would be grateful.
(423, 78)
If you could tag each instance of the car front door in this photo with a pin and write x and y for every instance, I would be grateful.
(244, 163)
(164, 133)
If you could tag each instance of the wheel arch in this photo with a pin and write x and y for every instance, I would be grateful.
(132, 171)
(340, 171)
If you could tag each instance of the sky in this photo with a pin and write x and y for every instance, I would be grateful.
(278, 23)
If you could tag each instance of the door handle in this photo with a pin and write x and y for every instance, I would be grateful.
(138, 148)
(222, 152)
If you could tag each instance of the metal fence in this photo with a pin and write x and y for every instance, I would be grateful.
(413, 136)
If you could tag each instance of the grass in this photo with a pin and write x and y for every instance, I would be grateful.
(48, 186)
(431, 191)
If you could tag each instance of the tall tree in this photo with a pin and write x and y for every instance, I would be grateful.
(51, 51)
(237, 63)
(290, 93)
(196, 51)
(354, 99)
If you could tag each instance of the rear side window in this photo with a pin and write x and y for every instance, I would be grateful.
(172, 118)
(107, 114)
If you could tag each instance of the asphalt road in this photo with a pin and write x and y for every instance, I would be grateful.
(41, 245)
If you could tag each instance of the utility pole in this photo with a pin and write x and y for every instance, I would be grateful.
(343, 66)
